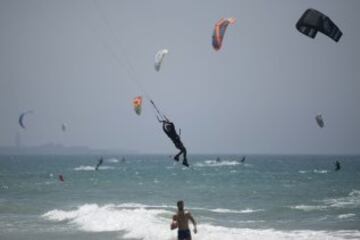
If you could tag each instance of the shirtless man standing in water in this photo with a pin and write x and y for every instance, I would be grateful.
(181, 219)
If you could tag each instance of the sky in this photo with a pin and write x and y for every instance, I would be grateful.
(82, 62)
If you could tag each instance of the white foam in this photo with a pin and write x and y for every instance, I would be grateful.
(308, 208)
(214, 163)
(136, 223)
(142, 223)
(210, 232)
(92, 168)
(349, 215)
(139, 205)
(168, 207)
(106, 168)
(224, 210)
(319, 171)
(350, 201)
(112, 160)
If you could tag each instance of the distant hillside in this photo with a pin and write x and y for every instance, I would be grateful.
(60, 149)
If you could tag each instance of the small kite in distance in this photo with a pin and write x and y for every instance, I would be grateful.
(159, 58)
(319, 120)
(137, 102)
(21, 118)
(219, 31)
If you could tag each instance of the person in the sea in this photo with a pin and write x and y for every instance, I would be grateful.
(99, 163)
(337, 166)
(181, 221)
(169, 129)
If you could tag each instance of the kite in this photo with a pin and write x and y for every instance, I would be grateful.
(219, 31)
(159, 57)
(21, 118)
(137, 104)
(319, 120)
(313, 21)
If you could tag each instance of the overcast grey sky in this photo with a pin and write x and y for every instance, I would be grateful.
(70, 61)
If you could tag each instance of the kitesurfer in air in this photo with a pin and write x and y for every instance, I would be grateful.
(99, 163)
(169, 129)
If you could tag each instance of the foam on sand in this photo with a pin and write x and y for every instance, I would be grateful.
(134, 221)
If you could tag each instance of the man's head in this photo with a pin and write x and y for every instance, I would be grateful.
(180, 205)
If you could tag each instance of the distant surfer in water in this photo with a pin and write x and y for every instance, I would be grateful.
(99, 163)
(61, 178)
(337, 166)
(169, 129)
(181, 221)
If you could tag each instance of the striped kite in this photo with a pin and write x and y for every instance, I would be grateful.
(219, 31)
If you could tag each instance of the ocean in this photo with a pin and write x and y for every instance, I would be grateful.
(265, 197)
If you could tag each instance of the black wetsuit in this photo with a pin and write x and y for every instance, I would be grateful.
(169, 129)
(337, 166)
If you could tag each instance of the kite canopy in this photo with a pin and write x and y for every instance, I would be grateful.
(159, 57)
(319, 120)
(313, 21)
(63, 127)
(137, 102)
(21, 118)
(219, 31)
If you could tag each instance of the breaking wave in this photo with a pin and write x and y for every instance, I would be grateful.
(134, 221)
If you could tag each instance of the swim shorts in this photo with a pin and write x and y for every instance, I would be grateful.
(184, 234)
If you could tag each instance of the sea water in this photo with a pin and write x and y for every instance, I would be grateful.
(264, 197)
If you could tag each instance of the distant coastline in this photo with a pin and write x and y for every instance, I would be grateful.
(59, 149)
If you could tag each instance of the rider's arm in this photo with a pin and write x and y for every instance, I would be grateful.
(193, 222)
